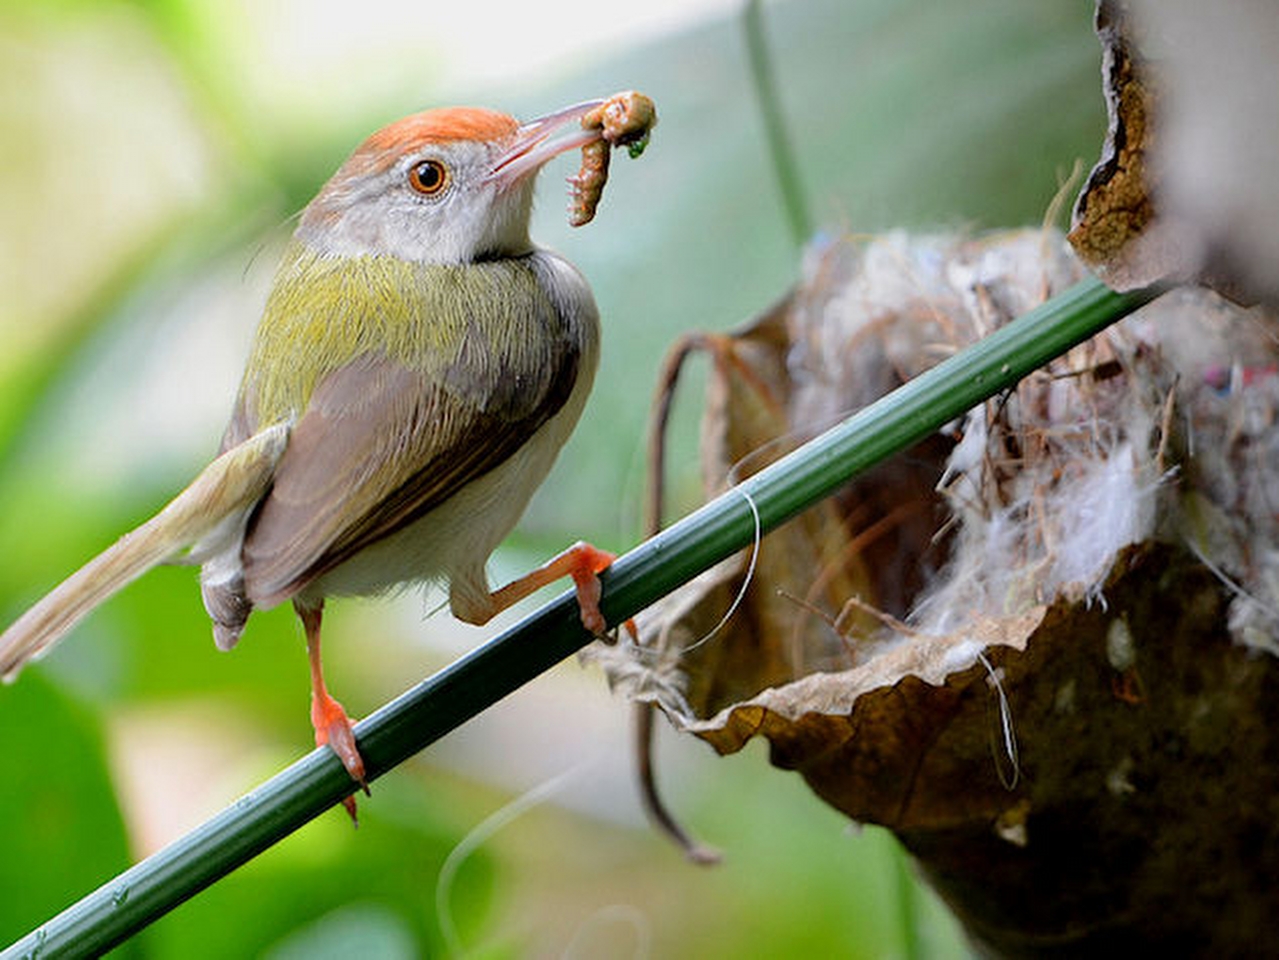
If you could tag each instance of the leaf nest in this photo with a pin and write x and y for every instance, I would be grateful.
(1030, 646)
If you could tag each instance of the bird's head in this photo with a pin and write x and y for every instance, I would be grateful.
(451, 185)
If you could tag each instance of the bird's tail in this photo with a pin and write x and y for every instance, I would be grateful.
(213, 505)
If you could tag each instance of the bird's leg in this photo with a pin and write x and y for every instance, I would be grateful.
(332, 725)
(583, 563)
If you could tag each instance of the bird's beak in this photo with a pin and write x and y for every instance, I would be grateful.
(539, 140)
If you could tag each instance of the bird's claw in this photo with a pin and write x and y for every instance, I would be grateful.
(333, 728)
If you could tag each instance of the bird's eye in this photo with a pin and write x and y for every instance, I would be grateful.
(428, 177)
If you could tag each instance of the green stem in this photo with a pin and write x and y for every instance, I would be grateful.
(476, 681)
(770, 109)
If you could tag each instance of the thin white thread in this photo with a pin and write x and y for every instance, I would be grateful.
(746, 581)
(1006, 725)
(480, 834)
(1229, 583)
(614, 913)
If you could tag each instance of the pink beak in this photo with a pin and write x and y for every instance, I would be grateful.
(539, 140)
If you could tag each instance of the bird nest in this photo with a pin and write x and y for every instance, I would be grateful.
(1039, 642)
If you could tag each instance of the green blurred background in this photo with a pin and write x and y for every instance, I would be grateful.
(152, 154)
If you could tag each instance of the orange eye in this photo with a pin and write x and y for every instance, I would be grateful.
(429, 177)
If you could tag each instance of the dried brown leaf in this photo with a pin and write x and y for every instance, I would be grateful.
(1117, 228)
(1185, 186)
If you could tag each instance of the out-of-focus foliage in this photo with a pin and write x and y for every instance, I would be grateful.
(151, 155)
(66, 814)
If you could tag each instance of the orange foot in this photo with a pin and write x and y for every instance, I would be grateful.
(332, 725)
(587, 563)
(583, 562)
(333, 728)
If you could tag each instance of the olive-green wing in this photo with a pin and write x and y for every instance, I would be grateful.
(380, 445)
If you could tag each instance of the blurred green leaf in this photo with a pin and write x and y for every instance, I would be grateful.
(64, 830)
(331, 880)
(349, 931)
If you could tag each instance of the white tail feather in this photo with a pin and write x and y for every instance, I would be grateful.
(230, 485)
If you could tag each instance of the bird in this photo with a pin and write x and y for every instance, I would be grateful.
(418, 366)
